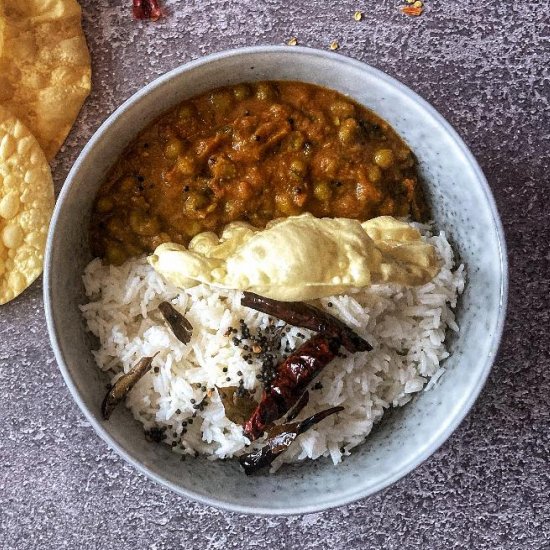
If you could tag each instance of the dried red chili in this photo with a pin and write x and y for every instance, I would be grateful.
(292, 378)
(147, 9)
(121, 388)
(280, 439)
(304, 315)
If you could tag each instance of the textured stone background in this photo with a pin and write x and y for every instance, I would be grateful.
(484, 66)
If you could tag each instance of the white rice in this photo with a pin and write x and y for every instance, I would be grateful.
(406, 327)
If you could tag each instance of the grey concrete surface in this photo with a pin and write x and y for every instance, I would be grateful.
(484, 66)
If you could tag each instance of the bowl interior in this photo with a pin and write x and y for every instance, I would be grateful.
(462, 207)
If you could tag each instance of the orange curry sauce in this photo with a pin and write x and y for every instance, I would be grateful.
(252, 152)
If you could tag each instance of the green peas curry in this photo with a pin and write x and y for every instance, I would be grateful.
(252, 152)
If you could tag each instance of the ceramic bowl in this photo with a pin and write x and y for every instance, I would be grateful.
(462, 206)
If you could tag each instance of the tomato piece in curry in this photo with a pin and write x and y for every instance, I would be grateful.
(252, 152)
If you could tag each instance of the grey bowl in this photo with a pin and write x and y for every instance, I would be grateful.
(463, 207)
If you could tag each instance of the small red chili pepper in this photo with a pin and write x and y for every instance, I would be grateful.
(292, 378)
(147, 9)
(303, 315)
(280, 439)
(122, 387)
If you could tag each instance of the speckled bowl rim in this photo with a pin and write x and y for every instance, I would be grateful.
(335, 500)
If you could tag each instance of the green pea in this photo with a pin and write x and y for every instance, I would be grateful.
(143, 224)
(322, 191)
(221, 101)
(384, 158)
(186, 111)
(298, 167)
(173, 149)
(223, 168)
(104, 204)
(296, 141)
(192, 227)
(116, 228)
(195, 201)
(347, 132)
(115, 253)
(241, 91)
(185, 166)
(342, 109)
(374, 173)
(265, 91)
(285, 205)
